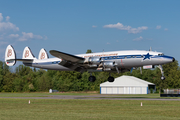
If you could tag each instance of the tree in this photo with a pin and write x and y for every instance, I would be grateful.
(4, 69)
(22, 70)
(88, 51)
(172, 74)
(8, 82)
(1, 75)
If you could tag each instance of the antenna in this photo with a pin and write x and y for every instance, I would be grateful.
(150, 49)
(103, 52)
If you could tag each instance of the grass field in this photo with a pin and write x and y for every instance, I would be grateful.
(45, 94)
(45, 109)
(41, 94)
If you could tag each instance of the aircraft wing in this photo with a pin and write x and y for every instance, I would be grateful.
(65, 56)
(70, 61)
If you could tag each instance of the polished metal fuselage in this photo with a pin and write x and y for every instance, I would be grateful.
(122, 59)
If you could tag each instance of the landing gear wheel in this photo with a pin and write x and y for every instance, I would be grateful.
(111, 79)
(162, 78)
(92, 78)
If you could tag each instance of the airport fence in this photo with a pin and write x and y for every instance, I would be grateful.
(171, 91)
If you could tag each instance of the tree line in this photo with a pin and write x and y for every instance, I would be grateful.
(26, 79)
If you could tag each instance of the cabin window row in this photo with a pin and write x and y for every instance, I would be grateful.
(121, 57)
(55, 62)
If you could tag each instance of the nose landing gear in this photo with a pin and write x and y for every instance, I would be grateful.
(162, 77)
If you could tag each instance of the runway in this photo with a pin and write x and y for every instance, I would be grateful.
(96, 97)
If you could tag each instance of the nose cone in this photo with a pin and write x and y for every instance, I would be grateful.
(173, 59)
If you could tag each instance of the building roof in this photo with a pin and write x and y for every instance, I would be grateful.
(126, 81)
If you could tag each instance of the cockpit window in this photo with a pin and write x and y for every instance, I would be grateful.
(160, 54)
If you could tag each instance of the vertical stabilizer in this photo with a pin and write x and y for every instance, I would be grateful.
(10, 56)
(27, 54)
(43, 54)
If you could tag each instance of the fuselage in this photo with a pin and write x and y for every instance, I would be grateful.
(122, 59)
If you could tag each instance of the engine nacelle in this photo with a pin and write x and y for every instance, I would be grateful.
(109, 64)
(93, 60)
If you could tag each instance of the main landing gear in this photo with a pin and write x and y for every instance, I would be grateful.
(162, 77)
(111, 79)
(93, 78)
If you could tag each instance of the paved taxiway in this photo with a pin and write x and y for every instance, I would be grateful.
(95, 97)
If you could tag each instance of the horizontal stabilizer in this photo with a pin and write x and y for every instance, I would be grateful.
(25, 60)
(65, 56)
(22, 60)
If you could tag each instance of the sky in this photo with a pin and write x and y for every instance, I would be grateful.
(73, 26)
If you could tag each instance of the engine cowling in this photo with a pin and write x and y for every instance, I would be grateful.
(109, 64)
(93, 60)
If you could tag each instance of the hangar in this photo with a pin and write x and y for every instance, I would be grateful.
(127, 85)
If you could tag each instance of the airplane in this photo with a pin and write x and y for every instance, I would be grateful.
(115, 61)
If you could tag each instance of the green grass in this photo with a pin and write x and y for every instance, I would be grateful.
(93, 95)
(41, 94)
(46, 94)
(40, 109)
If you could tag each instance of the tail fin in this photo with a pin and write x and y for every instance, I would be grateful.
(27, 54)
(10, 56)
(43, 54)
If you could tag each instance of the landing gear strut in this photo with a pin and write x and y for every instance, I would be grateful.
(162, 77)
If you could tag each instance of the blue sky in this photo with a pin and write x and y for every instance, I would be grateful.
(73, 26)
